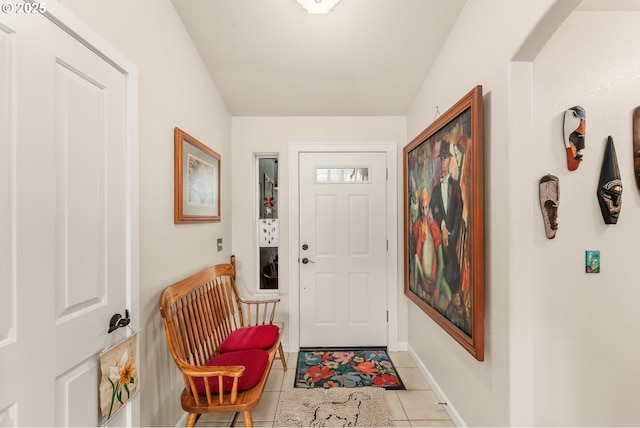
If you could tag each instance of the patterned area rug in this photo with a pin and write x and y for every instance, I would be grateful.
(335, 407)
(347, 369)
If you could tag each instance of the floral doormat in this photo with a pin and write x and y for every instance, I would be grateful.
(346, 368)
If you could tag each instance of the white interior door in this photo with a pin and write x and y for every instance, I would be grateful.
(65, 221)
(342, 249)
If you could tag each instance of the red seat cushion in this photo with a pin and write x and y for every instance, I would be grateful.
(254, 360)
(256, 337)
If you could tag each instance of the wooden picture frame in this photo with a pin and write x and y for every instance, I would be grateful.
(444, 237)
(196, 181)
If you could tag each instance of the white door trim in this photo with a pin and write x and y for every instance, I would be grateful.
(294, 226)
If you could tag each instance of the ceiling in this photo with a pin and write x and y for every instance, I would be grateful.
(609, 5)
(364, 58)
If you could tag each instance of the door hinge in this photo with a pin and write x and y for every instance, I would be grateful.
(387, 173)
(387, 245)
(387, 316)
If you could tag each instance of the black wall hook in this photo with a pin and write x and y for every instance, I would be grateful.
(117, 321)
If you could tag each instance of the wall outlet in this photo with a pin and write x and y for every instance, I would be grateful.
(219, 244)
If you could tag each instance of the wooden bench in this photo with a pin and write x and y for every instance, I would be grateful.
(220, 342)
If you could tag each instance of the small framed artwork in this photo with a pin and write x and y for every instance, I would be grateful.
(592, 261)
(119, 378)
(444, 222)
(196, 181)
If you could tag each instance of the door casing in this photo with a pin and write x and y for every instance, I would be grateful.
(392, 233)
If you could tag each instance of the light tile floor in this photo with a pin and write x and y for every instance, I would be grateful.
(417, 406)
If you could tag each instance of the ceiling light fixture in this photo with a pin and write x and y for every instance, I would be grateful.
(318, 6)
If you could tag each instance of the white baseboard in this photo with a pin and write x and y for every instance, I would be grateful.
(402, 347)
(182, 422)
(449, 407)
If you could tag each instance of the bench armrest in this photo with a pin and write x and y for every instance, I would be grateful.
(258, 301)
(257, 311)
(209, 371)
(191, 372)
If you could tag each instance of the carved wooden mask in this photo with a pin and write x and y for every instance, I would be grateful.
(610, 185)
(574, 135)
(549, 202)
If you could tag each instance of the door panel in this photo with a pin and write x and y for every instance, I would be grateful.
(66, 220)
(343, 222)
(325, 218)
(359, 225)
(80, 140)
(73, 406)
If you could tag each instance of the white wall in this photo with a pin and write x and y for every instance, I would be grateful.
(561, 345)
(259, 135)
(483, 41)
(586, 340)
(174, 90)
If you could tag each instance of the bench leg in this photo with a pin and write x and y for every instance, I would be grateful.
(248, 420)
(192, 419)
(282, 357)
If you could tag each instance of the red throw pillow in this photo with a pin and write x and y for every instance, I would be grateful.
(256, 337)
(254, 360)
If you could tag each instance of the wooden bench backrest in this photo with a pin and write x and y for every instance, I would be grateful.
(199, 312)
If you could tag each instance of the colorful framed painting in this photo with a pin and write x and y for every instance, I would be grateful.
(119, 378)
(592, 261)
(196, 181)
(444, 222)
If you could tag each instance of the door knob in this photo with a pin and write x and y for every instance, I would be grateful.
(306, 260)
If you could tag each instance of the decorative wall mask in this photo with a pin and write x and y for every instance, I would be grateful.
(549, 201)
(610, 185)
(636, 144)
(574, 134)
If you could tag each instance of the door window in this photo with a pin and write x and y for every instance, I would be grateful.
(342, 175)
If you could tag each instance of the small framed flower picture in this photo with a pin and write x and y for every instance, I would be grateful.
(119, 377)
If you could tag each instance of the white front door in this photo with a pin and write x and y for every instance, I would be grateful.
(66, 247)
(342, 249)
